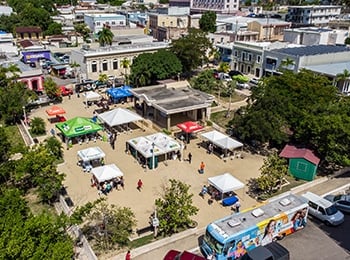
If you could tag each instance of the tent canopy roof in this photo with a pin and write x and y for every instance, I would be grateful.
(106, 172)
(225, 183)
(222, 140)
(92, 96)
(119, 116)
(91, 153)
(190, 127)
(55, 110)
(78, 126)
(144, 146)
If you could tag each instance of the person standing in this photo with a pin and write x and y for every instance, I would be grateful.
(139, 184)
(237, 206)
(189, 157)
(128, 255)
(121, 182)
(201, 168)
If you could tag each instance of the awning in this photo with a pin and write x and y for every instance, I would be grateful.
(78, 126)
(190, 127)
(55, 110)
(92, 96)
(119, 116)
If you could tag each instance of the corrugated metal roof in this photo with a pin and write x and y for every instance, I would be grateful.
(290, 151)
(313, 50)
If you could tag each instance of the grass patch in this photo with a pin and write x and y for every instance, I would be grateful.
(35, 204)
(220, 118)
(15, 139)
(234, 98)
(142, 241)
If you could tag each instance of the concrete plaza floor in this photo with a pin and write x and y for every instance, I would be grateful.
(78, 183)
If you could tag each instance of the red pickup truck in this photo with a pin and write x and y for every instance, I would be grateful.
(64, 91)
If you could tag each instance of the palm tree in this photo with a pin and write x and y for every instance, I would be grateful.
(55, 147)
(126, 64)
(37, 126)
(224, 67)
(287, 63)
(105, 36)
(344, 79)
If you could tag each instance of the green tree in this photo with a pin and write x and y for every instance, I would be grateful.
(54, 146)
(191, 49)
(108, 225)
(54, 29)
(82, 29)
(25, 236)
(273, 172)
(224, 67)
(175, 207)
(151, 67)
(287, 64)
(37, 126)
(207, 22)
(204, 81)
(347, 40)
(4, 146)
(105, 37)
(343, 79)
(51, 88)
(125, 64)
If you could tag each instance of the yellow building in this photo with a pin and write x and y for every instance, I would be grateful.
(269, 29)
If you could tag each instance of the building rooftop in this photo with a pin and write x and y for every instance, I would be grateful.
(313, 50)
(331, 69)
(310, 29)
(314, 6)
(28, 29)
(174, 97)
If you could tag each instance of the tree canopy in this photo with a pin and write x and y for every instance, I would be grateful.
(207, 23)
(147, 68)
(105, 36)
(191, 49)
(301, 108)
(175, 207)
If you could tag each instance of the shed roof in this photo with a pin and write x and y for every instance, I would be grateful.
(290, 151)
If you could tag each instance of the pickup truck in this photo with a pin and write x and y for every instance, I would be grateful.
(271, 251)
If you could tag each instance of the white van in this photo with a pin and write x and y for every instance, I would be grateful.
(323, 209)
(225, 77)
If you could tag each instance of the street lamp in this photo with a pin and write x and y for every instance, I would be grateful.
(182, 146)
(25, 116)
(153, 159)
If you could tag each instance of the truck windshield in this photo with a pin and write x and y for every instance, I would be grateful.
(331, 210)
(213, 243)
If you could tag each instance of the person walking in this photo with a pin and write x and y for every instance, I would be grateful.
(139, 184)
(128, 255)
(121, 182)
(237, 206)
(201, 168)
(189, 158)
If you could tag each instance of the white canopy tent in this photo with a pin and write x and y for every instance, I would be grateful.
(119, 116)
(106, 172)
(91, 153)
(92, 96)
(225, 183)
(144, 146)
(165, 142)
(221, 140)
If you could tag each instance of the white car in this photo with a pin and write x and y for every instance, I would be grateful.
(242, 85)
(254, 81)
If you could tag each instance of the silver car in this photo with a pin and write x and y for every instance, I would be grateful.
(340, 201)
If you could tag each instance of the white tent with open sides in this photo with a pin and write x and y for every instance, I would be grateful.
(91, 96)
(106, 172)
(91, 153)
(221, 140)
(119, 116)
(225, 183)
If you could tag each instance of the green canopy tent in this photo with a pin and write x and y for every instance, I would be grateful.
(78, 126)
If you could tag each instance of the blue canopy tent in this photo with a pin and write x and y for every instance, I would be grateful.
(119, 94)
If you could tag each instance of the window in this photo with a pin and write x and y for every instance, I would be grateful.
(94, 66)
(236, 53)
(258, 59)
(115, 64)
(323, 212)
(313, 205)
(113, 22)
(98, 23)
(243, 56)
(249, 57)
(121, 23)
(104, 65)
(301, 166)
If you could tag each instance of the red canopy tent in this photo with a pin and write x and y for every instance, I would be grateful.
(189, 127)
(56, 111)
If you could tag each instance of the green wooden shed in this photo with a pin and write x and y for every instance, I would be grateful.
(302, 162)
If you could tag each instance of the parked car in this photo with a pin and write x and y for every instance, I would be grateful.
(323, 209)
(242, 85)
(64, 91)
(271, 251)
(177, 255)
(254, 81)
(225, 77)
(235, 73)
(341, 201)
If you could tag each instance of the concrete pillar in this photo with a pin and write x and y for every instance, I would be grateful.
(168, 122)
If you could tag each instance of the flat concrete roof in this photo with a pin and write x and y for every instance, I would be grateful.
(330, 69)
(173, 97)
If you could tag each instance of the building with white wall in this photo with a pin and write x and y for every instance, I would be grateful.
(218, 6)
(313, 14)
(7, 44)
(315, 36)
(97, 21)
(107, 60)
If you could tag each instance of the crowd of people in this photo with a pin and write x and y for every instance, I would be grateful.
(107, 186)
